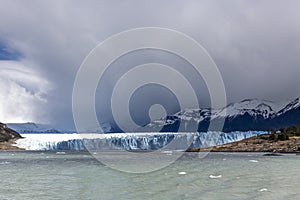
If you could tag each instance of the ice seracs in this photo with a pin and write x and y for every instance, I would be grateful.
(133, 141)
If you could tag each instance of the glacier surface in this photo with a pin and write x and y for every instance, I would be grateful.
(132, 141)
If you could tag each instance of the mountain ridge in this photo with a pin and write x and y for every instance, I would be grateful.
(249, 114)
(246, 115)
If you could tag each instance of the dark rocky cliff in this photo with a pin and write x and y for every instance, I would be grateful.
(7, 134)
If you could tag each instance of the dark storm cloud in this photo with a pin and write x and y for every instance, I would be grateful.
(254, 43)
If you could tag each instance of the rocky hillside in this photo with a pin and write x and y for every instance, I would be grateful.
(261, 143)
(7, 134)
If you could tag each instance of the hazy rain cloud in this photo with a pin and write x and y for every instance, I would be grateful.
(255, 44)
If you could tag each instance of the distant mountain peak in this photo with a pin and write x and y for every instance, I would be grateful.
(292, 105)
(31, 127)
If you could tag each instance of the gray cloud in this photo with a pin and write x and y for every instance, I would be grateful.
(254, 43)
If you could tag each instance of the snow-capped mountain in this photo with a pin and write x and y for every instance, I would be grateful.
(292, 105)
(249, 114)
(253, 107)
(30, 127)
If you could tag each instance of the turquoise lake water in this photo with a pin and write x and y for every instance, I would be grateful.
(77, 175)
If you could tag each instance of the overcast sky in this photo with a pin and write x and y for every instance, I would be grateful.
(255, 44)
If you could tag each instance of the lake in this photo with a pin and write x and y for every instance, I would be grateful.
(78, 175)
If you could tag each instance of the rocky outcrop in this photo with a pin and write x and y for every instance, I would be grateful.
(7, 134)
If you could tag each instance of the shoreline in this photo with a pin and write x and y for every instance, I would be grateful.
(10, 146)
(255, 144)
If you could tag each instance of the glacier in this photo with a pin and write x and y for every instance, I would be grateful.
(130, 141)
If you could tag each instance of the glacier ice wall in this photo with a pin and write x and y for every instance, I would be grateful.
(133, 141)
